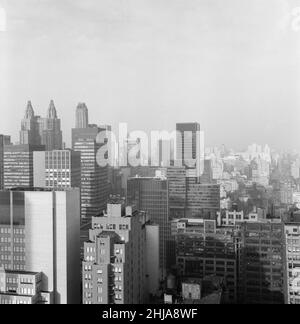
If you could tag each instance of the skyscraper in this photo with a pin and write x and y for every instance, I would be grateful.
(50, 129)
(29, 134)
(18, 165)
(82, 116)
(57, 169)
(46, 131)
(190, 148)
(292, 260)
(94, 178)
(39, 233)
(152, 196)
(4, 140)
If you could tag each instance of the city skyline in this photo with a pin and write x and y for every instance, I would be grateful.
(221, 67)
(149, 154)
(91, 123)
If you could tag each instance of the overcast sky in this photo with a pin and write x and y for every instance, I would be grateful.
(231, 65)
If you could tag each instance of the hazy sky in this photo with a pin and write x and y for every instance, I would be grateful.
(232, 65)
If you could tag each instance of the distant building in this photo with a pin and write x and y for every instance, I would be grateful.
(29, 134)
(82, 116)
(40, 233)
(57, 169)
(190, 148)
(41, 131)
(50, 130)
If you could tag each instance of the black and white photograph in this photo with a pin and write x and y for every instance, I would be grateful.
(149, 155)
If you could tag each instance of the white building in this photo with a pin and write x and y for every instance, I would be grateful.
(46, 227)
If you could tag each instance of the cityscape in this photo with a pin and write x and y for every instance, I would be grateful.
(198, 206)
(215, 226)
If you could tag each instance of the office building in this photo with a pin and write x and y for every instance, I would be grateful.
(151, 195)
(177, 191)
(4, 140)
(203, 250)
(18, 165)
(292, 266)
(94, 178)
(115, 258)
(190, 148)
(39, 233)
(203, 200)
(57, 169)
(261, 263)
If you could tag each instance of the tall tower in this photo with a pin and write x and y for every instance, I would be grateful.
(190, 148)
(152, 195)
(29, 134)
(82, 116)
(50, 129)
(94, 178)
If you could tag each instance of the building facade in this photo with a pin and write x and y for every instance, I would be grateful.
(261, 263)
(40, 233)
(292, 266)
(4, 140)
(151, 195)
(94, 178)
(203, 250)
(115, 258)
(18, 165)
(57, 169)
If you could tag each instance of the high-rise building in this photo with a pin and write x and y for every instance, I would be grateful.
(94, 178)
(292, 266)
(177, 191)
(40, 233)
(82, 116)
(261, 263)
(4, 140)
(41, 131)
(57, 169)
(18, 165)
(114, 270)
(190, 148)
(50, 130)
(152, 196)
(29, 134)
